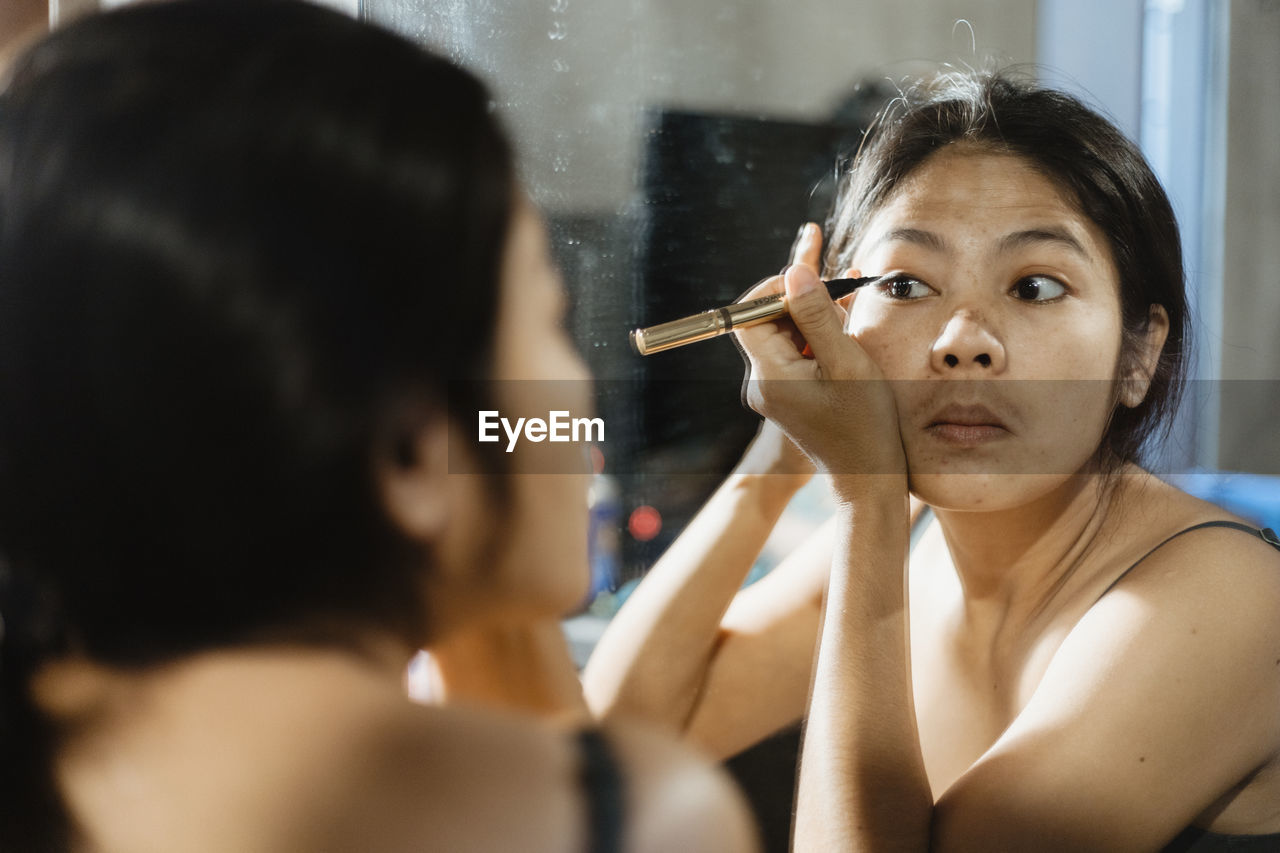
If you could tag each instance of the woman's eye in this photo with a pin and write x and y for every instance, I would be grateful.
(904, 287)
(1038, 288)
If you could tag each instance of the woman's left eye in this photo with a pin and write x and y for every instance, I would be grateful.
(1038, 288)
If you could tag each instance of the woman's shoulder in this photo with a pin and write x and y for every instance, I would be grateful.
(1189, 626)
(395, 776)
(276, 753)
(676, 798)
(482, 780)
(1185, 555)
(1169, 527)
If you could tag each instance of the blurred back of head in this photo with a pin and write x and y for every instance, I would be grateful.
(226, 233)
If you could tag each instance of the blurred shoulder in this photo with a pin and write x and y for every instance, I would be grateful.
(676, 798)
(404, 777)
(479, 780)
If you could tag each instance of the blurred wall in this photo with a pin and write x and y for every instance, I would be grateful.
(573, 75)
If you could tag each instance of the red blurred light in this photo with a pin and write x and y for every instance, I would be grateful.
(645, 523)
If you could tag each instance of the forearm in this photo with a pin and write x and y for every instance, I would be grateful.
(652, 660)
(862, 780)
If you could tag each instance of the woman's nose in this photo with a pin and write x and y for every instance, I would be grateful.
(967, 344)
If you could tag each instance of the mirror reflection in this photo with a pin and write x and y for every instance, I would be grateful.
(677, 148)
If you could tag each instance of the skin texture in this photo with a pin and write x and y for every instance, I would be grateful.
(303, 746)
(989, 696)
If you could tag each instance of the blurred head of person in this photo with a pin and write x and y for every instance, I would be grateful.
(260, 265)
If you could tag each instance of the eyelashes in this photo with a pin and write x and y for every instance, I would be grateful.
(903, 287)
(1037, 289)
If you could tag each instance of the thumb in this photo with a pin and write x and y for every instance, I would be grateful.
(815, 315)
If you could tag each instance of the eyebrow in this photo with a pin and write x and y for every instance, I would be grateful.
(1033, 236)
(1009, 242)
(927, 239)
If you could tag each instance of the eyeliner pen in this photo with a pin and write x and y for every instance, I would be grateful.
(719, 321)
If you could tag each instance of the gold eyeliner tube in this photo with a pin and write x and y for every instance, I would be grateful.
(718, 321)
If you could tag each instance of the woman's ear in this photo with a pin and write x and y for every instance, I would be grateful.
(412, 475)
(1142, 363)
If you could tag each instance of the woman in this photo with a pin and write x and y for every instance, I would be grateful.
(1078, 656)
(245, 250)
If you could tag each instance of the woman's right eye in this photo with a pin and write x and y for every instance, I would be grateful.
(904, 287)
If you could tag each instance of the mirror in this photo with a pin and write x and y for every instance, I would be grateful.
(676, 149)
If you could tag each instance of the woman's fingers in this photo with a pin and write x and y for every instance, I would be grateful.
(774, 340)
(807, 249)
(819, 321)
(833, 406)
(770, 346)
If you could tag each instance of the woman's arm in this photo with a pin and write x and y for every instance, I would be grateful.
(862, 779)
(679, 653)
(668, 642)
(688, 650)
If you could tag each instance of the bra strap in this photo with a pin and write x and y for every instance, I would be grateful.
(1266, 534)
(602, 785)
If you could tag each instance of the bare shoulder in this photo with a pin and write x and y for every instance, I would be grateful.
(1156, 712)
(1209, 590)
(478, 780)
(677, 799)
(269, 750)
(1198, 553)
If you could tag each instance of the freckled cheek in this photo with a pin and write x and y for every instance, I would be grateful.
(893, 345)
(1046, 356)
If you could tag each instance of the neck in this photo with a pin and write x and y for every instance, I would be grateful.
(77, 691)
(1020, 559)
(518, 665)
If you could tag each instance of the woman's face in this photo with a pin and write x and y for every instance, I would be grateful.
(1003, 336)
(525, 556)
(537, 371)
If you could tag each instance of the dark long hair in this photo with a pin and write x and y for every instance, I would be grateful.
(227, 231)
(1099, 168)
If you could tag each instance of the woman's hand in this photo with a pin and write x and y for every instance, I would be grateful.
(836, 405)
(771, 451)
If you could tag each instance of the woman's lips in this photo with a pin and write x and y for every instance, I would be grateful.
(966, 426)
(966, 435)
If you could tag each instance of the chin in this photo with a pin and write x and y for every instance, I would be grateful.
(986, 492)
